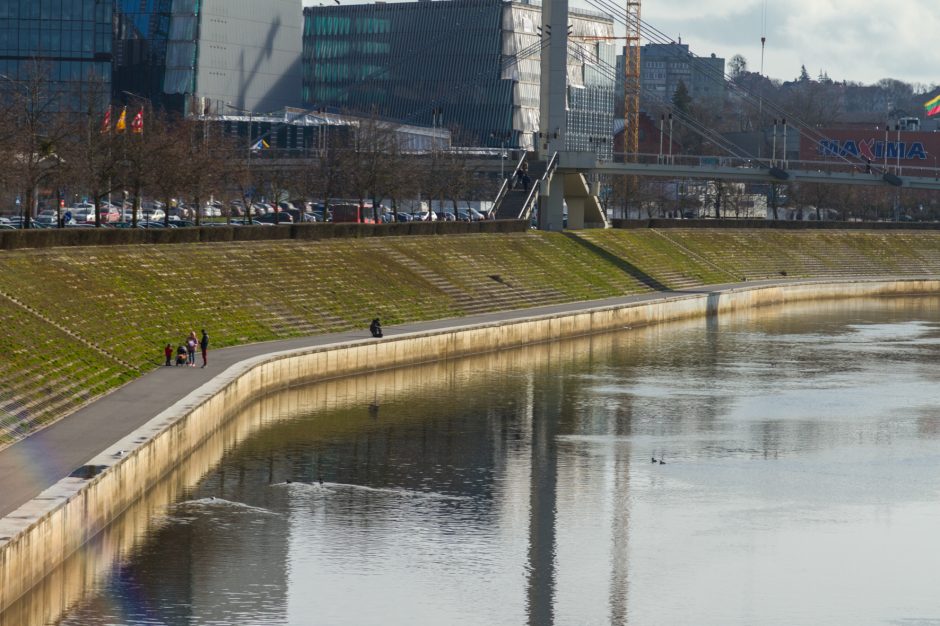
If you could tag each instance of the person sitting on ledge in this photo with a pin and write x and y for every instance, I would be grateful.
(375, 328)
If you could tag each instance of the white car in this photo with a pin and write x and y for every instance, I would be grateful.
(153, 215)
(83, 215)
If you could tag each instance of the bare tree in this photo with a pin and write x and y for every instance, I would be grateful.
(324, 177)
(35, 130)
(370, 162)
(94, 154)
(169, 158)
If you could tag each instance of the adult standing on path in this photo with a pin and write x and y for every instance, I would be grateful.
(191, 343)
(204, 347)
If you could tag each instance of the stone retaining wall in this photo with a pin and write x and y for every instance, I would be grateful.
(770, 224)
(43, 533)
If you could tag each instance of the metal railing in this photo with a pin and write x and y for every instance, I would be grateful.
(530, 200)
(876, 167)
(506, 186)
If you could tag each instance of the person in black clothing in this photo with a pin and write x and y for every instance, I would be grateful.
(375, 328)
(204, 347)
(522, 175)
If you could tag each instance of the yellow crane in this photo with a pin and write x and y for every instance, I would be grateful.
(631, 81)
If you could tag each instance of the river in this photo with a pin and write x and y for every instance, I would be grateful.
(800, 451)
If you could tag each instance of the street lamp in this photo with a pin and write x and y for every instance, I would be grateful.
(248, 154)
(503, 139)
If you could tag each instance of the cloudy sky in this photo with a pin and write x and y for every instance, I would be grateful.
(854, 40)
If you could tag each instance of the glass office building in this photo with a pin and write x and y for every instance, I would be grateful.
(470, 65)
(209, 56)
(65, 43)
(141, 47)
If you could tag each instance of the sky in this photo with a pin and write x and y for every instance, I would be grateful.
(855, 40)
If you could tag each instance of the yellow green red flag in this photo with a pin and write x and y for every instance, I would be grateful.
(933, 107)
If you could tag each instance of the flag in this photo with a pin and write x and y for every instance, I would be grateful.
(932, 107)
(121, 125)
(261, 144)
(106, 122)
(137, 124)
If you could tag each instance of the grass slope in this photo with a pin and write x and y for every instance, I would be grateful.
(77, 322)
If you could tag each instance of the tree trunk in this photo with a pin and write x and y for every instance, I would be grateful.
(166, 209)
(135, 210)
(27, 207)
(58, 208)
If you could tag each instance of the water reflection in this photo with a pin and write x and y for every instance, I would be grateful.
(799, 487)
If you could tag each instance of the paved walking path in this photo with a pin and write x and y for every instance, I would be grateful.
(32, 465)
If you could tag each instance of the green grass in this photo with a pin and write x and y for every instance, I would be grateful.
(125, 303)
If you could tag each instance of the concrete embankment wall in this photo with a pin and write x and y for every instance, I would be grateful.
(43, 533)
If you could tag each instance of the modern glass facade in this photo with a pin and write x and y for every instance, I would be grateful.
(156, 48)
(470, 65)
(141, 43)
(420, 63)
(66, 43)
(209, 56)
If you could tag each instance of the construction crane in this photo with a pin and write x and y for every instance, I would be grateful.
(631, 81)
(631, 92)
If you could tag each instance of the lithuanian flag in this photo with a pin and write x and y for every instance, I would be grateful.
(933, 107)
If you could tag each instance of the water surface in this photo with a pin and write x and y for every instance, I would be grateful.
(800, 486)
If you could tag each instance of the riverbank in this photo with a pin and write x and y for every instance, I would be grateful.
(164, 419)
(78, 322)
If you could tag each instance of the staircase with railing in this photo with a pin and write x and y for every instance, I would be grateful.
(517, 197)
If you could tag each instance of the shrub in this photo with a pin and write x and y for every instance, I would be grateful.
(216, 233)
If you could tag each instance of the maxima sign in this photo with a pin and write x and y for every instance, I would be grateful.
(914, 149)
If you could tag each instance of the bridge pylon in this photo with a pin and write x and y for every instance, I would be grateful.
(570, 188)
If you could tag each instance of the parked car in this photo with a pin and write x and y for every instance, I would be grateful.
(46, 221)
(281, 217)
(153, 215)
(471, 215)
(298, 216)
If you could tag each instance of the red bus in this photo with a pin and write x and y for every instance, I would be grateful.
(352, 213)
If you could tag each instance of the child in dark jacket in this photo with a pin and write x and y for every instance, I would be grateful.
(181, 355)
(168, 353)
